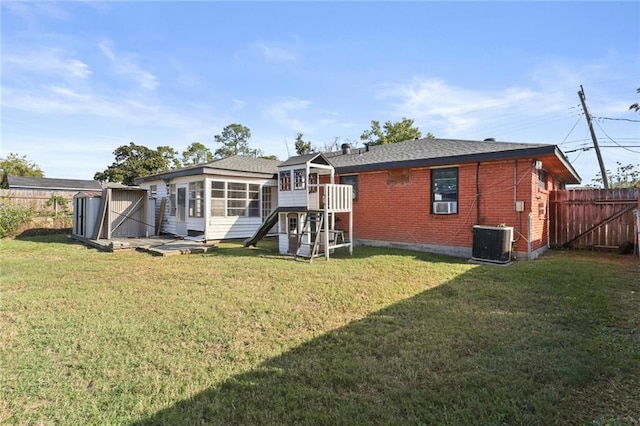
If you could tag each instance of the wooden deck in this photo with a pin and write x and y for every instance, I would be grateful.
(157, 246)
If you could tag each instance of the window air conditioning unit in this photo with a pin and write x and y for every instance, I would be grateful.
(492, 243)
(445, 207)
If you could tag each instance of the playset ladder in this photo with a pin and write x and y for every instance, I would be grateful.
(312, 216)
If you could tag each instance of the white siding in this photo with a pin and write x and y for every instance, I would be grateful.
(214, 227)
(168, 225)
(283, 243)
(294, 197)
(230, 227)
(221, 228)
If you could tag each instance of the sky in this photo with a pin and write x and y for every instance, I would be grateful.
(79, 79)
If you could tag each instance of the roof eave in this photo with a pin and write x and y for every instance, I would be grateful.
(465, 158)
(570, 175)
(203, 171)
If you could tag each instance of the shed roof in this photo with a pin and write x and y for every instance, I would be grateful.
(430, 152)
(52, 184)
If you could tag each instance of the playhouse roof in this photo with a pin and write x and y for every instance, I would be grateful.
(430, 152)
(314, 157)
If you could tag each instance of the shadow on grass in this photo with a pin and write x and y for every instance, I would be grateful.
(46, 235)
(268, 248)
(471, 351)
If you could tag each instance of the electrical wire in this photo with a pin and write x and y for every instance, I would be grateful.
(611, 139)
(616, 119)
(574, 126)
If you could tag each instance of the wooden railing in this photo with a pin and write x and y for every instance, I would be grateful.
(338, 198)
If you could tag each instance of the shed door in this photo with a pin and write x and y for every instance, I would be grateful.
(79, 209)
(181, 214)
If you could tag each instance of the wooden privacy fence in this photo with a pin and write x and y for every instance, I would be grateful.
(596, 219)
(39, 200)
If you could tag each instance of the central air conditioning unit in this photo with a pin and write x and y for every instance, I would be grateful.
(492, 243)
(445, 207)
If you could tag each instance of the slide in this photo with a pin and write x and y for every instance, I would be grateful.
(271, 220)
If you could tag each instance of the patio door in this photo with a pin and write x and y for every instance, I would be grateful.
(181, 213)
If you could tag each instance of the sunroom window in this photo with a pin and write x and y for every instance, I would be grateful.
(196, 199)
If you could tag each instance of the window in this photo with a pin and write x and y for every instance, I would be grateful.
(313, 180)
(196, 199)
(153, 191)
(353, 181)
(285, 180)
(299, 178)
(235, 199)
(444, 190)
(172, 199)
(254, 200)
(266, 201)
(218, 199)
(542, 179)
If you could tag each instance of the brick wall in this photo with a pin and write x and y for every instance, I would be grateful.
(399, 210)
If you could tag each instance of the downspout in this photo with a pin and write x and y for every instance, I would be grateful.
(529, 236)
(515, 200)
(478, 193)
(515, 183)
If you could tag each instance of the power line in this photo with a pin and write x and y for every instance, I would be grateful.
(611, 139)
(617, 119)
(574, 126)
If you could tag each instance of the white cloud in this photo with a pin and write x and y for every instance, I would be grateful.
(279, 53)
(50, 61)
(455, 110)
(69, 93)
(125, 66)
(238, 104)
(287, 113)
(30, 11)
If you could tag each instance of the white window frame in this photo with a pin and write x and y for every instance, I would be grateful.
(196, 199)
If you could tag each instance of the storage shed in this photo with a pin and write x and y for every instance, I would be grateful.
(86, 206)
(119, 211)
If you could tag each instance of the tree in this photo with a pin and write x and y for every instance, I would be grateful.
(133, 161)
(302, 147)
(234, 140)
(270, 157)
(196, 153)
(16, 165)
(625, 177)
(391, 132)
(635, 107)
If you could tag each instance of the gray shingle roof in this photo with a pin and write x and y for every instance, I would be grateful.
(246, 164)
(425, 151)
(314, 157)
(52, 184)
(236, 164)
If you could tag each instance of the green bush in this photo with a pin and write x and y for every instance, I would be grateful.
(11, 217)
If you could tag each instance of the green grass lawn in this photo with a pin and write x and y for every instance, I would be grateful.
(250, 337)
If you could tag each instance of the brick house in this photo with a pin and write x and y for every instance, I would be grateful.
(424, 194)
(428, 194)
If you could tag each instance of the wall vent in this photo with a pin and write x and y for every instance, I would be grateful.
(492, 243)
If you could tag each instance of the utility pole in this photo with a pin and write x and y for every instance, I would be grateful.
(603, 171)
